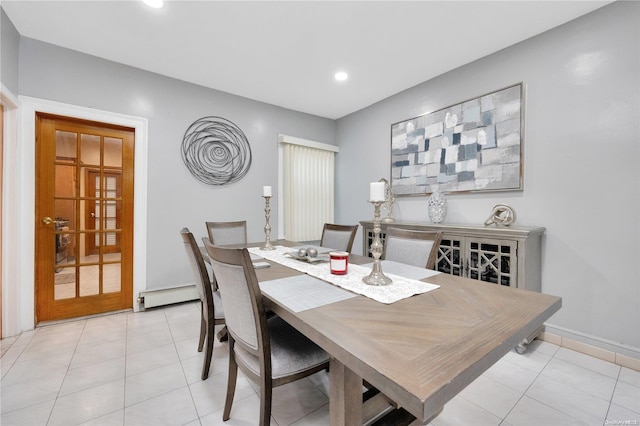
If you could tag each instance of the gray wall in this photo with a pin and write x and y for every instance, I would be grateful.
(175, 198)
(581, 157)
(9, 42)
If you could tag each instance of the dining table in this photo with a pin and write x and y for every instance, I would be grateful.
(418, 352)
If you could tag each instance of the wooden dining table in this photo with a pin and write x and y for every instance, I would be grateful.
(419, 352)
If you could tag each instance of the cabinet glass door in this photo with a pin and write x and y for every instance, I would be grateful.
(491, 261)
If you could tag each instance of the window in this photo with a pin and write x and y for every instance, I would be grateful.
(307, 187)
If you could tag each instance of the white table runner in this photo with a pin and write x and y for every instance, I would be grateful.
(399, 289)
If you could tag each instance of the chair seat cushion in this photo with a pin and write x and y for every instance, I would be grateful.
(291, 351)
(217, 303)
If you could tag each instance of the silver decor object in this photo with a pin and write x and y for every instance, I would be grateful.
(388, 201)
(501, 215)
(437, 206)
(376, 277)
(267, 227)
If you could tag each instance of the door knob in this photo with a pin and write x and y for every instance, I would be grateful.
(47, 220)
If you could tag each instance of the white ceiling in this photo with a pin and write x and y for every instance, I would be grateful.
(286, 53)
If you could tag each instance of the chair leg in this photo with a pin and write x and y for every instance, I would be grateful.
(203, 328)
(231, 382)
(266, 392)
(223, 335)
(208, 354)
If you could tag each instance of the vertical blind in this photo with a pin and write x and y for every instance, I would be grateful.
(308, 183)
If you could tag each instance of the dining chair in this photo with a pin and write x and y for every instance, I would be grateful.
(224, 233)
(267, 350)
(418, 248)
(338, 237)
(211, 309)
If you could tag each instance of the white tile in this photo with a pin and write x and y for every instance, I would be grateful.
(321, 380)
(627, 396)
(585, 361)
(209, 395)
(244, 412)
(88, 404)
(36, 414)
(529, 412)
(89, 376)
(320, 417)
(49, 352)
(543, 347)
(26, 393)
(188, 348)
(581, 378)
(33, 369)
(151, 358)
(306, 395)
(618, 415)
(149, 384)
(100, 352)
(460, 411)
(532, 359)
(571, 401)
(219, 364)
(628, 375)
(491, 396)
(173, 408)
(145, 341)
(115, 418)
(9, 357)
(511, 374)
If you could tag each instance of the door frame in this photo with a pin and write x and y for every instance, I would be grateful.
(22, 220)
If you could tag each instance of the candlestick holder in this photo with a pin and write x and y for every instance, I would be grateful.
(376, 277)
(267, 227)
(388, 201)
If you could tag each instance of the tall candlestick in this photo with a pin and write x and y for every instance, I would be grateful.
(267, 227)
(376, 191)
(376, 277)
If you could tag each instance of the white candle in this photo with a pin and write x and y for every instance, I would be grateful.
(376, 191)
(266, 191)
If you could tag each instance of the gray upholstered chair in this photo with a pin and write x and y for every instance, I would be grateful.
(211, 310)
(225, 233)
(338, 237)
(268, 350)
(418, 248)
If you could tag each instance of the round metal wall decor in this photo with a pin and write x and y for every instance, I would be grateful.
(216, 151)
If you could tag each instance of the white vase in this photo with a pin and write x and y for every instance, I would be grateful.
(437, 207)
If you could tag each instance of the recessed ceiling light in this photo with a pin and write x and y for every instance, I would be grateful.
(156, 4)
(341, 76)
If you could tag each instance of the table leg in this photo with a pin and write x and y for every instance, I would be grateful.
(345, 395)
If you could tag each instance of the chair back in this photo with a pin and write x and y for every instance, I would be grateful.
(244, 311)
(418, 248)
(199, 269)
(226, 233)
(338, 237)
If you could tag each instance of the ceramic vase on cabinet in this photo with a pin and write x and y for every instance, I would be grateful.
(437, 206)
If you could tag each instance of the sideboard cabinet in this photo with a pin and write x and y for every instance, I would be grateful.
(508, 256)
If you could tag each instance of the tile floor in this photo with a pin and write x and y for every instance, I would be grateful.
(144, 369)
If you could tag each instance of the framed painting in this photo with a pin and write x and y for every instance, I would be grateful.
(472, 146)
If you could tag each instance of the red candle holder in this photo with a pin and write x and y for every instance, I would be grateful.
(339, 262)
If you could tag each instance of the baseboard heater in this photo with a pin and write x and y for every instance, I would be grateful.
(168, 296)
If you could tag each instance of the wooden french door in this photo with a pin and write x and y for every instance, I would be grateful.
(84, 218)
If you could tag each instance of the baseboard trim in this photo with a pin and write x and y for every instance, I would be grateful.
(623, 355)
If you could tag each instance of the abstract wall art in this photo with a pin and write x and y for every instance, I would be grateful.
(216, 151)
(475, 145)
